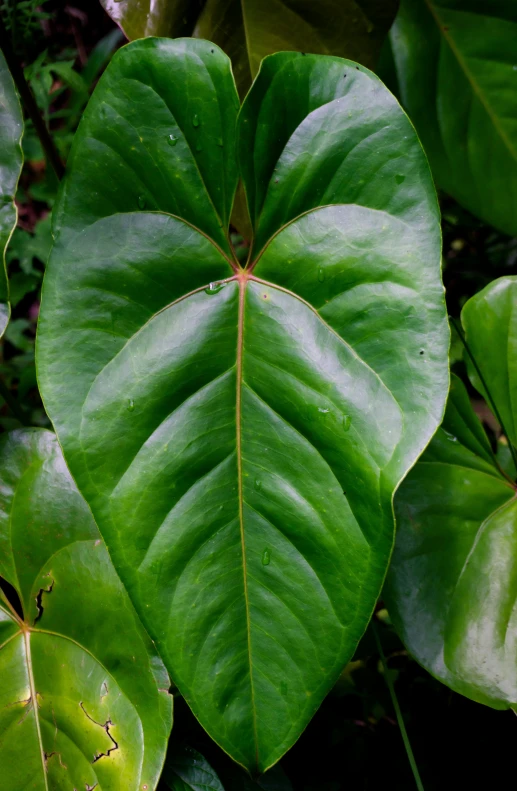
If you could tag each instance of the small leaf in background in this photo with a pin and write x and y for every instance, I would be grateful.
(11, 131)
(83, 699)
(24, 246)
(16, 334)
(139, 18)
(456, 65)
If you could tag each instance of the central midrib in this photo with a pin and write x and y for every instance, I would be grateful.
(243, 279)
(34, 698)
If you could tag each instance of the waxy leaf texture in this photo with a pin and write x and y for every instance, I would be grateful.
(239, 432)
(452, 584)
(83, 698)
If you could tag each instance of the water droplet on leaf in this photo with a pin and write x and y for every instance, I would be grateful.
(213, 288)
(347, 420)
(220, 142)
(399, 178)
(172, 140)
(141, 202)
(322, 411)
(258, 485)
(321, 274)
(266, 557)
(130, 405)
(195, 120)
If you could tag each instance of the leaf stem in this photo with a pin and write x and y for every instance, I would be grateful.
(30, 105)
(398, 713)
(13, 404)
(491, 401)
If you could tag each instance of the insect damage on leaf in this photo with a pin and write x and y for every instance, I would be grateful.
(106, 728)
(39, 598)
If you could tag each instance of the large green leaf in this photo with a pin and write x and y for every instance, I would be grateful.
(83, 697)
(239, 433)
(11, 158)
(452, 584)
(456, 64)
(248, 30)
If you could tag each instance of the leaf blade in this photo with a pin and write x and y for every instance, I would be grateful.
(455, 67)
(455, 523)
(77, 687)
(209, 407)
(11, 160)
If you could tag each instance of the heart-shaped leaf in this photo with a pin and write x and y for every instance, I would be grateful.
(452, 584)
(239, 433)
(456, 65)
(83, 699)
(11, 159)
(248, 30)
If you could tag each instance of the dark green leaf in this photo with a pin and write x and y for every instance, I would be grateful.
(83, 699)
(457, 70)
(452, 583)
(248, 30)
(187, 770)
(490, 323)
(11, 131)
(239, 433)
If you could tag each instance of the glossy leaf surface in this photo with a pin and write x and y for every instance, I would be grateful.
(490, 323)
(456, 65)
(452, 583)
(239, 433)
(83, 698)
(11, 158)
(249, 30)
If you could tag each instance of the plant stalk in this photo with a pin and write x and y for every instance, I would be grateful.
(398, 713)
(30, 105)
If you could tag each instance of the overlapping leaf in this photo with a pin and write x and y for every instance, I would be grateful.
(187, 770)
(11, 130)
(457, 70)
(452, 584)
(83, 699)
(249, 30)
(239, 433)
